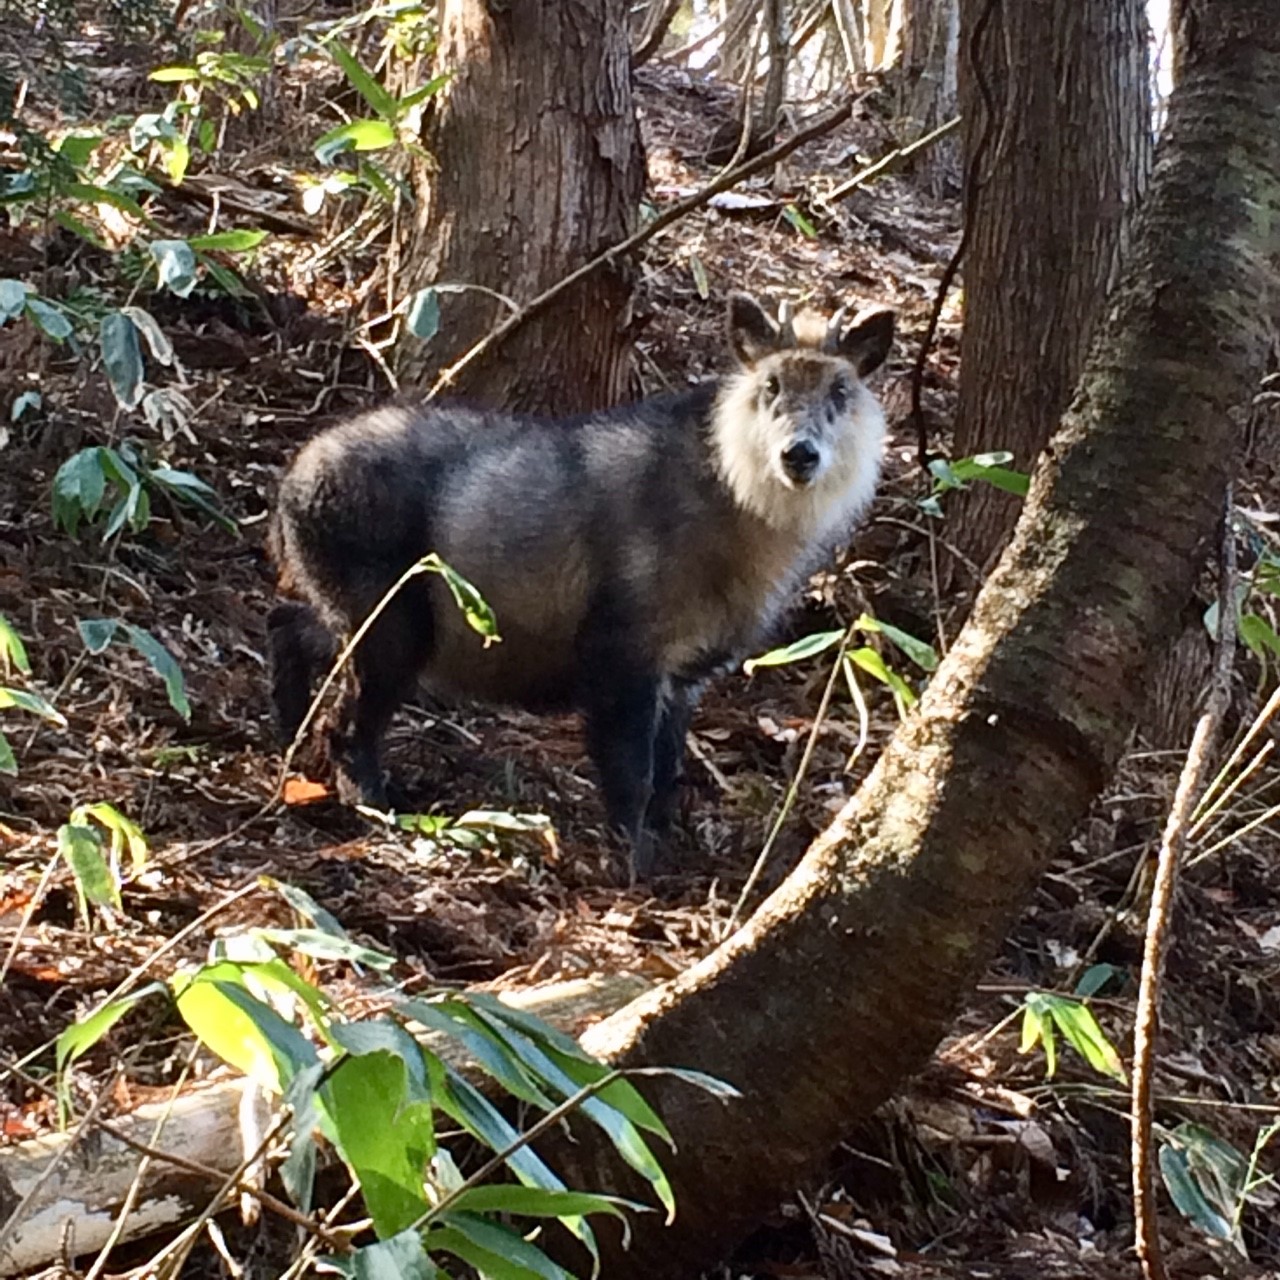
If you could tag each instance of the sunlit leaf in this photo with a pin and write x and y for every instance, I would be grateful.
(83, 1034)
(157, 340)
(51, 321)
(228, 241)
(356, 135)
(26, 700)
(13, 653)
(176, 261)
(475, 609)
(121, 357)
(385, 1140)
(800, 222)
(82, 849)
(324, 946)
(924, 655)
(382, 102)
(797, 651)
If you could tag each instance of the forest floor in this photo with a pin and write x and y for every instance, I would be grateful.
(982, 1166)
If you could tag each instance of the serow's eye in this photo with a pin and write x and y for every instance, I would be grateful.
(772, 386)
(838, 395)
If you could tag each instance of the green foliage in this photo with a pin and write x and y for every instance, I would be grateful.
(861, 657)
(98, 633)
(1044, 1015)
(13, 658)
(114, 486)
(381, 1093)
(98, 876)
(1210, 1182)
(958, 473)
(1257, 597)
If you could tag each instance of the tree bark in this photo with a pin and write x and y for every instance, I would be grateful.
(847, 977)
(536, 167)
(928, 86)
(1067, 156)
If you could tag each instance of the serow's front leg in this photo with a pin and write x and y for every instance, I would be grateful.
(621, 719)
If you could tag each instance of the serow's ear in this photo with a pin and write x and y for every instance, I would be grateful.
(752, 335)
(867, 343)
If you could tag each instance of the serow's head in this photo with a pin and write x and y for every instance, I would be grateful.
(797, 415)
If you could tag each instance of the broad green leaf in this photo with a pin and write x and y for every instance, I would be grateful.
(324, 946)
(83, 1034)
(1094, 978)
(384, 1140)
(298, 1169)
(1217, 1167)
(177, 158)
(502, 1256)
(13, 299)
(465, 1104)
(622, 1132)
(452, 1018)
(1187, 1196)
(382, 102)
(124, 832)
(1037, 1028)
(420, 94)
(8, 761)
(797, 651)
(176, 261)
(78, 227)
(157, 340)
(121, 357)
(79, 486)
(51, 321)
(185, 487)
(228, 241)
(357, 135)
(97, 633)
(245, 1032)
(173, 75)
(385, 1035)
(78, 148)
(92, 194)
(924, 655)
(990, 467)
(403, 1257)
(306, 906)
(1259, 635)
(1080, 1028)
(269, 978)
(163, 663)
(423, 316)
(82, 849)
(540, 1202)
(874, 665)
(25, 700)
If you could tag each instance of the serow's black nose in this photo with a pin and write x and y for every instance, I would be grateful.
(800, 461)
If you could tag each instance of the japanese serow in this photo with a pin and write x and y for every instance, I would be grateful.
(628, 555)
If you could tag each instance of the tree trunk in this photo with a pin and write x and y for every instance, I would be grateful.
(928, 88)
(536, 167)
(1066, 159)
(848, 976)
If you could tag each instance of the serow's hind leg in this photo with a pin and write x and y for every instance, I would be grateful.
(668, 757)
(621, 720)
(385, 667)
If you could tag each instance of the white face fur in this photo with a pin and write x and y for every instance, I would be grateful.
(799, 439)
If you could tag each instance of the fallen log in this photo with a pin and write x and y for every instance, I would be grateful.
(71, 1186)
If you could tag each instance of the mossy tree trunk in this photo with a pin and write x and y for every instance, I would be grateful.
(536, 167)
(1067, 121)
(848, 976)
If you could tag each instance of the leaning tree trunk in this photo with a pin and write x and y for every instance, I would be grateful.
(850, 973)
(1066, 120)
(535, 167)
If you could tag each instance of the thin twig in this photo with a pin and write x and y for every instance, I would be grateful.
(1146, 1017)
(722, 182)
(890, 159)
